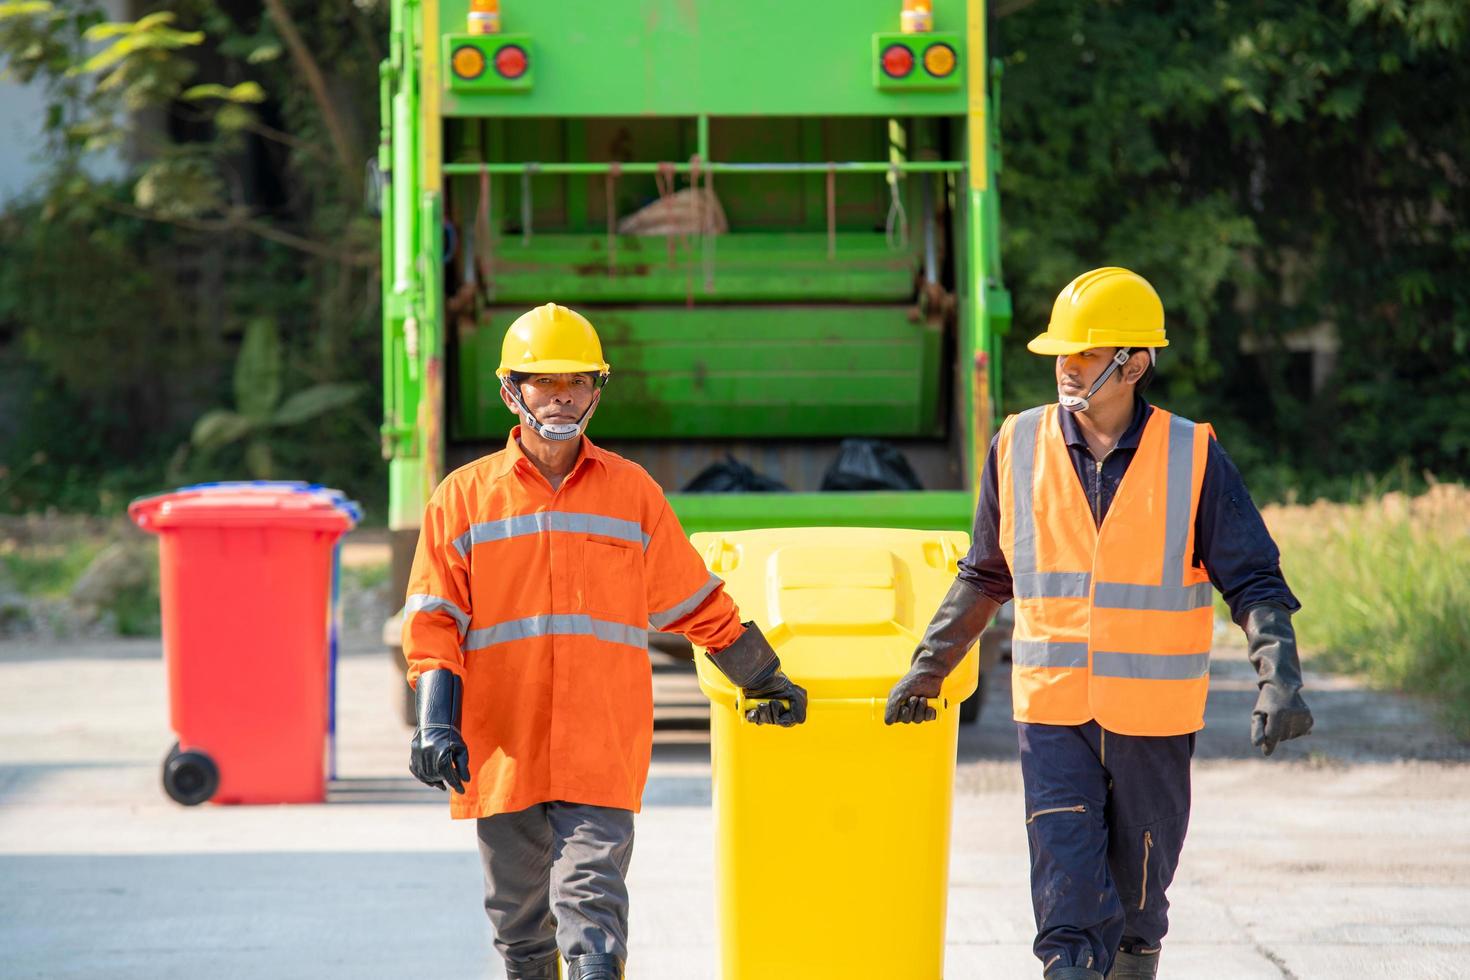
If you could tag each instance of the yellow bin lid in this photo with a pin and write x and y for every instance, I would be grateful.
(844, 607)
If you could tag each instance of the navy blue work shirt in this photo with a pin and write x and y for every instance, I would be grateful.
(1231, 542)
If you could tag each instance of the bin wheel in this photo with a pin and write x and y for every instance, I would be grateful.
(970, 707)
(189, 777)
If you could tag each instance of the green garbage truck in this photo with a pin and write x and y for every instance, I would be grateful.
(781, 217)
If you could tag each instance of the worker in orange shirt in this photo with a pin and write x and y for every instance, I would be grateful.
(538, 572)
(1108, 520)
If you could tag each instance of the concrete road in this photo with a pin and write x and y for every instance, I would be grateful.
(1344, 856)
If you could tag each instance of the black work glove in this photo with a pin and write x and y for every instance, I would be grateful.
(957, 624)
(1280, 713)
(753, 666)
(437, 755)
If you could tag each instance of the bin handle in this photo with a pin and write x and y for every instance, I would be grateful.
(875, 705)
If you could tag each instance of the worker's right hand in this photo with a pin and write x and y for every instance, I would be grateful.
(953, 630)
(438, 755)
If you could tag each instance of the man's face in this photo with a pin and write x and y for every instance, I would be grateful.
(1076, 374)
(555, 399)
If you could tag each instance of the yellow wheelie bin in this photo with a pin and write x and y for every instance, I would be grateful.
(856, 813)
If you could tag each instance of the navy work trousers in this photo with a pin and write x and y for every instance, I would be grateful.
(1106, 816)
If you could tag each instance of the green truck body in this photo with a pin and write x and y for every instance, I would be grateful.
(852, 290)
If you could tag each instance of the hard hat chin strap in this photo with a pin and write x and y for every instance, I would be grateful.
(561, 432)
(1081, 403)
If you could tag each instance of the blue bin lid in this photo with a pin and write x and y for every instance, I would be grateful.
(337, 498)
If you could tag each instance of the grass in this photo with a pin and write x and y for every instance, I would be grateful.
(45, 563)
(1384, 585)
(1385, 589)
(364, 577)
(49, 570)
(136, 610)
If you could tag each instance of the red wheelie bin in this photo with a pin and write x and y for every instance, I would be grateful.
(245, 586)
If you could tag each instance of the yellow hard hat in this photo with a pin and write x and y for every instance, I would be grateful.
(551, 339)
(1108, 307)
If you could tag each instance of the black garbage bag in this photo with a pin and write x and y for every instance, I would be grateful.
(869, 464)
(732, 476)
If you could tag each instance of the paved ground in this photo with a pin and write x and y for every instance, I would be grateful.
(1345, 856)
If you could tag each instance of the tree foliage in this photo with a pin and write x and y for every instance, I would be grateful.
(242, 130)
(1275, 167)
(1271, 166)
(259, 410)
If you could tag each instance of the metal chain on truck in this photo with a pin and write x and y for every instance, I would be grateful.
(694, 170)
(610, 189)
(707, 240)
(897, 219)
(665, 180)
(485, 244)
(831, 210)
(526, 202)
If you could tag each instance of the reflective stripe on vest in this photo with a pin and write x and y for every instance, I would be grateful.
(1046, 653)
(550, 520)
(1152, 631)
(1027, 582)
(1172, 594)
(423, 602)
(574, 624)
(676, 612)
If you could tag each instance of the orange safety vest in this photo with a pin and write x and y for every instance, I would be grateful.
(541, 600)
(1113, 623)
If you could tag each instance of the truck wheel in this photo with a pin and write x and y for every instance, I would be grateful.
(970, 707)
(190, 777)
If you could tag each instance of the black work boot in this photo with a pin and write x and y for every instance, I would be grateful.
(595, 966)
(1073, 973)
(1142, 965)
(546, 968)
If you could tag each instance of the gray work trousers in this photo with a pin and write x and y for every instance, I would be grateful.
(555, 877)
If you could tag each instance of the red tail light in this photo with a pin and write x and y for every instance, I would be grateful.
(898, 61)
(511, 61)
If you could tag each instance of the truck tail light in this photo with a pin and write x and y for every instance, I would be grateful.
(467, 62)
(939, 60)
(511, 61)
(898, 61)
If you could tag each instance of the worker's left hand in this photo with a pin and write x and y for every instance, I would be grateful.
(1278, 716)
(908, 702)
(1280, 713)
(752, 665)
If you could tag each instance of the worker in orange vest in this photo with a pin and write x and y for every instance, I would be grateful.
(539, 570)
(1107, 520)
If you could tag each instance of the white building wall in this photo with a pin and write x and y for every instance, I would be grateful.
(22, 116)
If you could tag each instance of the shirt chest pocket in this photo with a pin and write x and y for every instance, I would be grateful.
(612, 573)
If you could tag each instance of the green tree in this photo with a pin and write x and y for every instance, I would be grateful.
(260, 413)
(244, 129)
(1270, 166)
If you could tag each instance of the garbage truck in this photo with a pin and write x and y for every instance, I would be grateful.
(781, 217)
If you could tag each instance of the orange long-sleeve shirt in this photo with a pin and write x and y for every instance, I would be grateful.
(541, 600)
